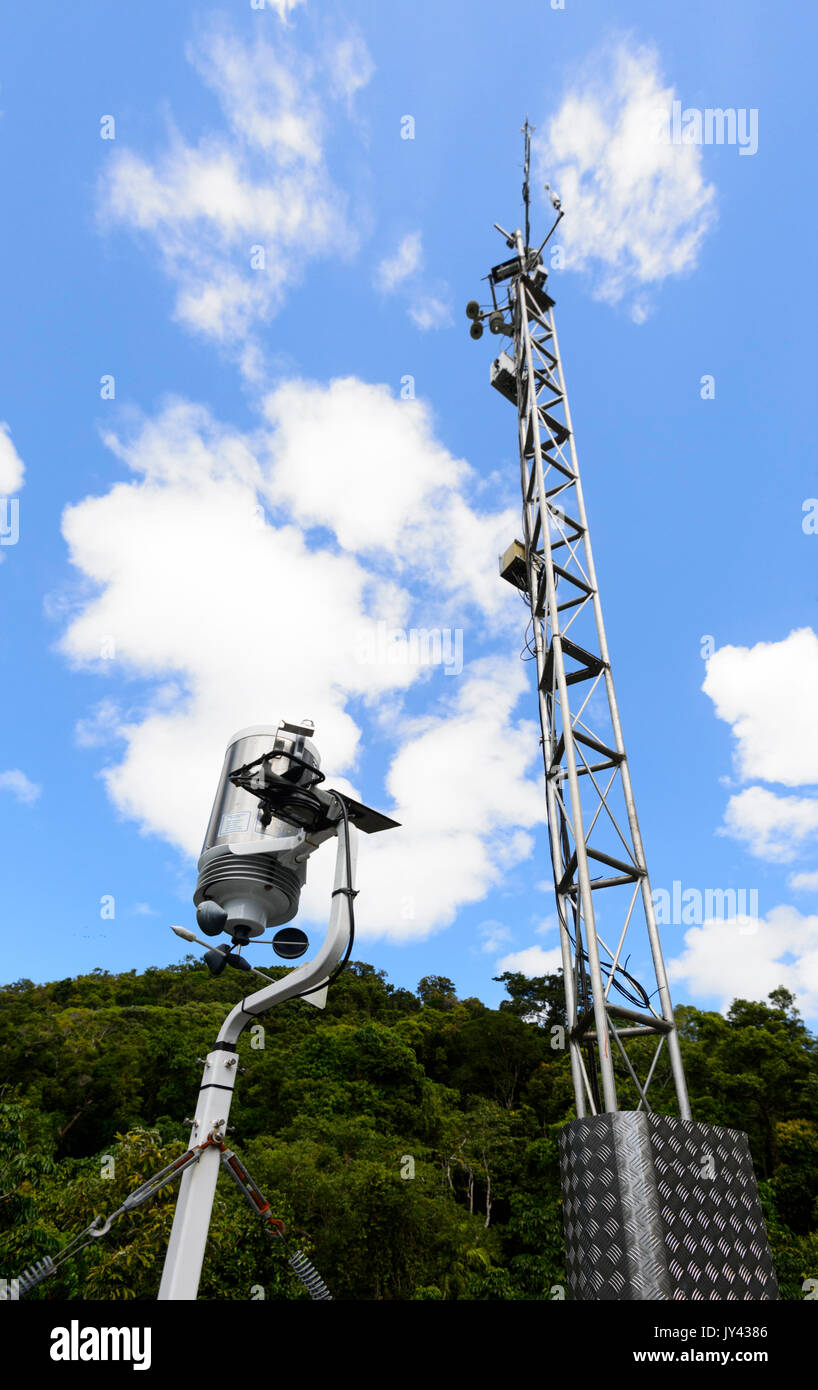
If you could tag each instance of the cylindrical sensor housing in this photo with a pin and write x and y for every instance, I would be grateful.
(256, 890)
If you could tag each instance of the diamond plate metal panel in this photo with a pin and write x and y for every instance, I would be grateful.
(610, 1210)
(641, 1215)
(660, 1208)
(713, 1226)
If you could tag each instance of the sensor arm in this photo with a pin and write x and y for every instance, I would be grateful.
(313, 972)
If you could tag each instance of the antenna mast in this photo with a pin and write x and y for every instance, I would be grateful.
(604, 902)
(655, 1206)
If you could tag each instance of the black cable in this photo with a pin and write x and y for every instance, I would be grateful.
(641, 998)
(527, 641)
(528, 652)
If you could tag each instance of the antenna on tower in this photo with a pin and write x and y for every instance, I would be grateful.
(526, 130)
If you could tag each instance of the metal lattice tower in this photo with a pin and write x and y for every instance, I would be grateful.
(604, 903)
(654, 1206)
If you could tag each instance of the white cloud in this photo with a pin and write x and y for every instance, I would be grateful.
(459, 787)
(12, 470)
(430, 311)
(101, 726)
(804, 883)
(771, 827)
(430, 306)
(493, 935)
(769, 695)
(532, 961)
(350, 66)
(20, 786)
(386, 486)
(237, 217)
(637, 208)
(179, 555)
(746, 959)
(237, 617)
(408, 258)
(282, 8)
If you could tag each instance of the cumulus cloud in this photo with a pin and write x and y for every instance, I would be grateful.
(493, 935)
(20, 786)
(771, 827)
(191, 582)
(237, 216)
(408, 258)
(461, 786)
(429, 305)
(637, 207)
(747, 959)
(386, 486)
(804, 883)
(768, 694)
(430, 311)
(534, 960)
(248, 577)
(12, 471)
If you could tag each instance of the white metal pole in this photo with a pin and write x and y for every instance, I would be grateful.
(191, 1221)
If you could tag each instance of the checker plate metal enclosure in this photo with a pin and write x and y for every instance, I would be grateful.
(660, 1208)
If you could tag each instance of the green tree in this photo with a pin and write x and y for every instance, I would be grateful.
(408, 1141)
(437, 991)
(536, 999)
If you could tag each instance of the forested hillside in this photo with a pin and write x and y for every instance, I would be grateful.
(409, 1141)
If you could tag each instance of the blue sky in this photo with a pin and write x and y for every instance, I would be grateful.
(268, 270)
